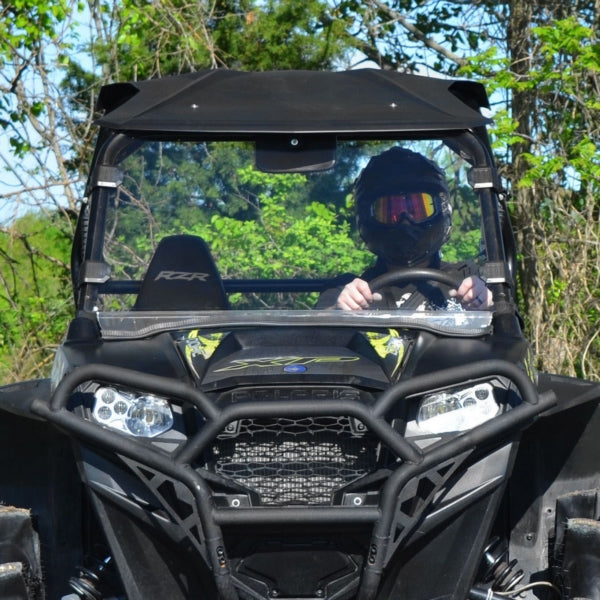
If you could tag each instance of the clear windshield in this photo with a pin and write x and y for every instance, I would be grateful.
(277, 241)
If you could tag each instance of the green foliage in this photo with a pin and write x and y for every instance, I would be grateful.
(563, 76)
(161, 38)
(36, 298)
(556, 184)
(279, 245)
(569, 67)
(462, 247)
(25, 22)
(281, 35)
(282, 244)
(24, 27)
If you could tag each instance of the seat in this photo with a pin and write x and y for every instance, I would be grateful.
(182, 275)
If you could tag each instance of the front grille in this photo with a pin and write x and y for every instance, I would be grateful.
(295, 461)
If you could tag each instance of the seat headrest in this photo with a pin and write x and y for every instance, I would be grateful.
(182, 275)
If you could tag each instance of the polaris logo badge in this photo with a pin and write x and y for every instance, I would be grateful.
(181, 276)
(294, 369)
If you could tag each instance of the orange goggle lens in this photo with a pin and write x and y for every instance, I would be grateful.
(417, 206)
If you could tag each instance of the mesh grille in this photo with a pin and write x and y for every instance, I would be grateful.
(295, 461)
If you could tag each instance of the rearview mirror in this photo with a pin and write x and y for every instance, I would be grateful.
(295, 154)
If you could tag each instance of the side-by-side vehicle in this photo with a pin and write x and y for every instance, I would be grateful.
(209, 431)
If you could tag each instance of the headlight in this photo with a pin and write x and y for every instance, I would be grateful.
(457, 410)
(141, 415)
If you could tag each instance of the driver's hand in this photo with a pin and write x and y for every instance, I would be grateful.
(473, 294)
(356, 295)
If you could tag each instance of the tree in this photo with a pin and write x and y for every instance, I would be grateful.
(35, 302)
(557, 179)
(36, 176)
(545, 81)
(55, 55)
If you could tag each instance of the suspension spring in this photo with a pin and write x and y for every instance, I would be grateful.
(86, 584)
(497, 570)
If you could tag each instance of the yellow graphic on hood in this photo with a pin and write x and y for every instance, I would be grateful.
(529, 366)
(389, 346)
(201, 345)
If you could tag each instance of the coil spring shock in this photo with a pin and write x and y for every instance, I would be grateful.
(87, 582)
(504, 575)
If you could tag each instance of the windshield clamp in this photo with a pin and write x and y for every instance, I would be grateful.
(483, 177)
(106, 177)
(93, 272)
(494, 272)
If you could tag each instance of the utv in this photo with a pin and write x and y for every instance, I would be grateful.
(208, 432)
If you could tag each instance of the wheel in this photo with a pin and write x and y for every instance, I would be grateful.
(20, 568)
(412, 275)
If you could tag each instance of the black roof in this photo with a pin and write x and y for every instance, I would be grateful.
(224, 101)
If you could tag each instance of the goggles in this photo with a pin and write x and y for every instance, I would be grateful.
(416, 206)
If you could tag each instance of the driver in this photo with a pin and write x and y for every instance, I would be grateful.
(404, 218)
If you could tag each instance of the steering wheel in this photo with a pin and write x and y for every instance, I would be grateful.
(412, 275)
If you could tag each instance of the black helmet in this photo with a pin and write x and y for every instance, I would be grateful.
(402, 207)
